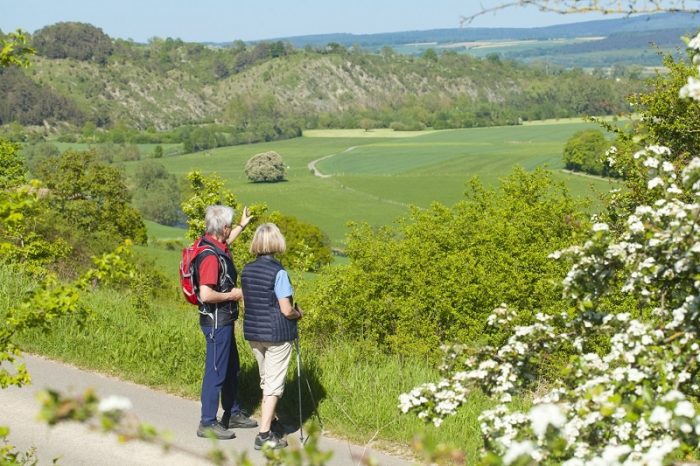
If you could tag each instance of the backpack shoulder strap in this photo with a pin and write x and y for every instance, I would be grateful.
(204, 252)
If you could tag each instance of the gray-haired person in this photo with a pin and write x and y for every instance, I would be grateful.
(215, 275)
(270, 324)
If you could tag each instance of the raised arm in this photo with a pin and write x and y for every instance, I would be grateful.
(238, 228)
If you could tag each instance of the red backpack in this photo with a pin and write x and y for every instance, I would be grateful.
(188, 279)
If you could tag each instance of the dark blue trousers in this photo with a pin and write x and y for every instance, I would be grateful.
(221, 370)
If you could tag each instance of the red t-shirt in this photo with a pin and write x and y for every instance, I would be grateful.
(209, 267)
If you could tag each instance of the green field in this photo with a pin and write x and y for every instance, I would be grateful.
(380, 177)
(164, 232)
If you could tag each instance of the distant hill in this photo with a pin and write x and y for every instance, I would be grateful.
(605, 27)
(341, 89)
(271, 90)
(599, 43)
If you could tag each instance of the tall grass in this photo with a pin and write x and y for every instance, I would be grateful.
(356, 387)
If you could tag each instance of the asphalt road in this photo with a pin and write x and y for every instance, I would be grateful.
(75, 444)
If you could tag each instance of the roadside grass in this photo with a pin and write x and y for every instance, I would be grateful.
(381, 176)
(356, 387)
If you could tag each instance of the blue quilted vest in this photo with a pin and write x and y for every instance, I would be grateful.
(263, 319)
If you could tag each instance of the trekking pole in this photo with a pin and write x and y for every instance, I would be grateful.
(308, 385)
(301, 416)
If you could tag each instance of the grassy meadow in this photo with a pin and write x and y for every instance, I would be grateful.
(377, 174)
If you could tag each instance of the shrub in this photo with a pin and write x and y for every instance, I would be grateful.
(89, 204)
(433, 278)
(265, 167)
(157, 194)
(409, 126)
(584, 151)
(308, 248)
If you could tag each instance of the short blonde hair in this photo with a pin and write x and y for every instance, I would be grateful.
(268, 239)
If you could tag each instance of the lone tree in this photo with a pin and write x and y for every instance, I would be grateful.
(265, 167)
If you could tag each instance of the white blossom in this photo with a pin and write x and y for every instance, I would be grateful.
(691, 89)
(541, 416)
(684, 408)
(694, 43)
(658, 181)
(114, 403)
(651, 162)
(660, 415)
(518, 449)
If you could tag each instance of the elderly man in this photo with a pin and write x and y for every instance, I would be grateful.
(215, 278)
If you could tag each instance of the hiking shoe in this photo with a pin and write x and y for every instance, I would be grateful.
(216, 431)
(272, 441)
(240, 421)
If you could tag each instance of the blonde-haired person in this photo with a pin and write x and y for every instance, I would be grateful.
(270, 324)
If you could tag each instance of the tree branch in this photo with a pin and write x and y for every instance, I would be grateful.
(564, 7)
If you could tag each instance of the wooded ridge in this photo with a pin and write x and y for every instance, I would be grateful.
(169, 83)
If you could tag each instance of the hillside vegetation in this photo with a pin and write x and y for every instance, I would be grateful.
(271, 88)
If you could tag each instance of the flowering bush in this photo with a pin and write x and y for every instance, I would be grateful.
(631, 402)
(692, 88)
(628, 405)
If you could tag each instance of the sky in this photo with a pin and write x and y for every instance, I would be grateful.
(228, 20)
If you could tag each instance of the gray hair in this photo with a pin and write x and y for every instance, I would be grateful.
(217, 218)
(268, 239)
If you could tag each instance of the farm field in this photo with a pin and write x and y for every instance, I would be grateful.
(376, 179)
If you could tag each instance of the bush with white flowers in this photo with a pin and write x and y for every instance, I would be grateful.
(692, 88)
(627, 400)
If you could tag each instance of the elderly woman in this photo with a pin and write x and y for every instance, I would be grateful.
(270, 324)
(215, 281)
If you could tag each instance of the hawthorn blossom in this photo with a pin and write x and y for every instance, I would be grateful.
(114, 403)
(695, 43)
(691, 89)
(541, 416)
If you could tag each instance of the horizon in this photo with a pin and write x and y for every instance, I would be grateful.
(179, 19)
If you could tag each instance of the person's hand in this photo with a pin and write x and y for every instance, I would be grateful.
(235, 294)
(245, 217)
(296, 308)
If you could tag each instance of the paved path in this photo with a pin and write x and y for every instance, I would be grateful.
(312, 165)
(75, 444)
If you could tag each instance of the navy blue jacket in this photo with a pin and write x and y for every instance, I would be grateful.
(264, 320)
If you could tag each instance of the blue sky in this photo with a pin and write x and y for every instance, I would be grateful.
(227, 20)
